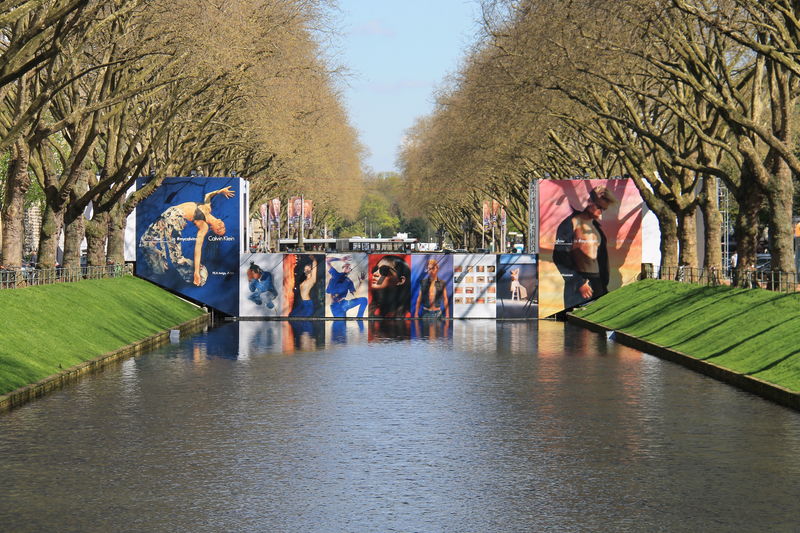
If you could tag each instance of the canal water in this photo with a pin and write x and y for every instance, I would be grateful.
(465, 426)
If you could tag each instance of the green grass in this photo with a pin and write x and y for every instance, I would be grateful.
(754, 332)
(52, 327)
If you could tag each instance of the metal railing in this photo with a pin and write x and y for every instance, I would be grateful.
(763, 279)
(16, 278)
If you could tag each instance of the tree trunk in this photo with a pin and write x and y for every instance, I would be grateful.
(779, 195)
(713, 225)
(96, 232)
(750, 198)
(74, 227)
(73, 237)
(687, 237)
(117, 222)
(52, 225)
(17, 184)
(668, 244)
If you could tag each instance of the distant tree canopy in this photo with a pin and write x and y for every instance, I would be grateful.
(95, 94)
(384, 210)
(683, 97)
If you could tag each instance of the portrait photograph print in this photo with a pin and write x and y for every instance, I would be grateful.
(590, 240)
(304, 285)
(432, 286)
(389, 286)
(260, 285)
(347, 285)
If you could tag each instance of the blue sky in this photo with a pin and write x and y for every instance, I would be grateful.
(398, 53)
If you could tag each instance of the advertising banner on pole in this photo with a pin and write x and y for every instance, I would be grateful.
(293, 211)
(263, 210)
(275, 212)
(308, 212)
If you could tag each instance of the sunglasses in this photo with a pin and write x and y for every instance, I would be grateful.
(384, 270)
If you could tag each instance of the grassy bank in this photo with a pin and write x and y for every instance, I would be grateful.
(53, 327)
(754, 332)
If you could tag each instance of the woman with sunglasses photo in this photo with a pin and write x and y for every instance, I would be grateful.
(389, 288)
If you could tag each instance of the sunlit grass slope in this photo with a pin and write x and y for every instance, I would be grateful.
(49, 328)
(754, 332)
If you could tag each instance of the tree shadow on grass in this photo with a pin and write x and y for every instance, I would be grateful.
(688, 301)
(735, 341)
(774, 363)
(725, 319)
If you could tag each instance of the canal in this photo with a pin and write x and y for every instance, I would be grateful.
(470, 426)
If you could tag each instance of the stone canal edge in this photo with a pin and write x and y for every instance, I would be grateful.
(27, 393)
(747, 383)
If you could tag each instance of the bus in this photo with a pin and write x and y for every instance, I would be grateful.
(399, 244)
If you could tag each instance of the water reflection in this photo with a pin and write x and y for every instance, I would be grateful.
(245, 338)
(399, 426)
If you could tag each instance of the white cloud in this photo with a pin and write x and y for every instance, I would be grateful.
(375, 27)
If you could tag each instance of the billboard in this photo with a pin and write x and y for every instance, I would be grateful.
(432, 286)
(360, 285)
(346, 288)
(590, 240)
(390, 286)
(187, 238)
(474, 286)
(517, 284)
(304, 285)
(261, 285)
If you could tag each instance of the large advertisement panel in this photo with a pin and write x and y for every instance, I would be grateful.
(390, 286)
(474, 286)
(590, 240)
(516, 286)
(432, 286)
(304, 285)
(346, 289)
(187, 239)
(261, 285)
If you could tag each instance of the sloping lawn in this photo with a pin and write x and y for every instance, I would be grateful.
(52, 327)
(752, 331)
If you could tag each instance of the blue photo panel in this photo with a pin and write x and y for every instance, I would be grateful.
(347, 285)
(432, 286)
(187, 239)
(517, 285)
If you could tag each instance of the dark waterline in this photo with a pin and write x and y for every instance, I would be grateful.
(469, 426)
